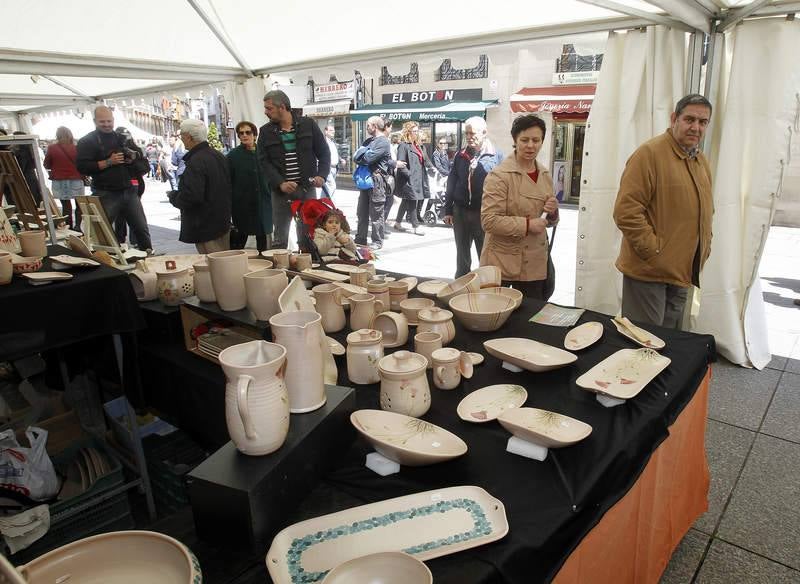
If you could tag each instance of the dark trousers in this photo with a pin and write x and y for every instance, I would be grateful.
(466, 230)
(532, 289)
(653, 302)
(408, 208)
(420, 213)
(369, 212)
(282, 215)
(127, 205)
(239, 240)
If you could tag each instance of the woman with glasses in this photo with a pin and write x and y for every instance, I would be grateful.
(251, 211)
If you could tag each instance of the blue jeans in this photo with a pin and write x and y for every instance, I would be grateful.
(126, 204)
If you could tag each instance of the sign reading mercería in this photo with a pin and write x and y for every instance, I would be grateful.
(432, 96)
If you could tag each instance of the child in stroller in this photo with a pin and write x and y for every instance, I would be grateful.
(434, 207)
(327, 232)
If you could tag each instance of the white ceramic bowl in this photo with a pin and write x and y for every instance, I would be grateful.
(254, 264)
(482, 312)
(463, 285)
(381, 568)
(512, 293)
(411, 306)
(489, 276)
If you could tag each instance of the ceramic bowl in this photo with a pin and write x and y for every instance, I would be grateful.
(543, 427)
(529, 354)
(114, 558)
(406, 440)
(463, 285)
(489, 276)
(431, 287)
(381, 568)
(512, 293)
(411, 306)
(254, 264)
(393, 326)
(482, 312)
(23, 265)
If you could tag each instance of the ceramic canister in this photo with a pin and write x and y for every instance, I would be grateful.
(426, 343)
(449, 365)
(227, 277)
(202, 282)
(404, 384)
(364, 351)
(6, 267)
(263, 287)
(380, 290)
(173, 284)
(437, 320)
(398, 291)
(33, 243)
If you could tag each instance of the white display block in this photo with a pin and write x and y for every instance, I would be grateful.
(512, 367)
(381, 465)
(527, 449)
(608, 401)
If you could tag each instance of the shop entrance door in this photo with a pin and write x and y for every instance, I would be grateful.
(568, 136)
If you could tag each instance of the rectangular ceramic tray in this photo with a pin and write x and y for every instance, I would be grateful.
(426, 525)
(625, 373)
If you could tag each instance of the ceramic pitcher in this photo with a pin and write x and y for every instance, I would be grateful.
(364, 351)
(256, 400)
(263, 287)
(306, 351)
(362, 308)
(329, 305)
(227, 277)
(202, 282)
(449, 365)
(173, 284)
(404, 384)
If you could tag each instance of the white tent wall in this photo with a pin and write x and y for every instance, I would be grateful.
(641, 79)
(750, 149)
(247, 100)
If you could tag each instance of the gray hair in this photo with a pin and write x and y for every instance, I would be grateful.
(196, 129)
(376, 121)
(692, 99)
(278, 98)
(477, 123)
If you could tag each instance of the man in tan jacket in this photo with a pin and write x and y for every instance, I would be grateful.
(664, 209)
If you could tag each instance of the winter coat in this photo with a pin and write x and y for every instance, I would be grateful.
(313, 154)
(60, 160)
(459, 181)
(251, 208)
(96, 146)
(411, 182)
(328, 244)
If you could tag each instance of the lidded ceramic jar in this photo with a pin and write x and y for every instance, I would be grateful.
(173, 284)
(364, 351)
(404, 384)
(437, 320)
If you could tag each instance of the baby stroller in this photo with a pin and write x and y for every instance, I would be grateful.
(309, 212)
(437, 184)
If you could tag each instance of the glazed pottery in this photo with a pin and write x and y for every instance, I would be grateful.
(583, 336)
(437, 320)
(173, 284)
(529, 354)
(256, 264)
(359, 277)
(6, 268)
(489, 276)
(363, 307)
(411, 306)
(380, 289)
(227, 277)
(66, 262)
(364, 351)
(404, 384)
(79, 246)
(463, 285)
(302, 261)
(426, 343)
(455, 518)
(625, 373)
(431, 287)
(23, 265)
(263, 288)
(256, 399)
(145, 284)
(306, 350)
(156, 263)
(329, 305)
(482, 312)
(115, 558)
(398, 291)
(202, 282)
(637, 334)
(393, 326)
(381, 568)
(449, 365)
(33, 243)
(252, 253)
(487, 403)
(326, 275)
(543, 427)
(344, 268)
(280, 258)
(406, 440)
(295, 297)
(512, 293)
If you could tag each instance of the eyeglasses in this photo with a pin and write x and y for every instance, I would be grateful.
(244, 132)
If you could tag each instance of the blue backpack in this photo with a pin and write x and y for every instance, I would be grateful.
(362, 177)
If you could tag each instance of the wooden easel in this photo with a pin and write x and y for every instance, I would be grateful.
(11, 176)
(97, 229)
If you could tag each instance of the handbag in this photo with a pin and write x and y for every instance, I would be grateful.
(87, 180)
(362, 177)
(550, 280)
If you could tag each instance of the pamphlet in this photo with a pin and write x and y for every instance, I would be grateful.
(554, 315)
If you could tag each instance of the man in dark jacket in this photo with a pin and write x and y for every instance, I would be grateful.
(295, 158)
(375, 153)
(462, 207)
(102, 154)
(204, 193)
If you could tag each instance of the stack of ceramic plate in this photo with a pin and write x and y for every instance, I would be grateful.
(212, 344)
(88, 465)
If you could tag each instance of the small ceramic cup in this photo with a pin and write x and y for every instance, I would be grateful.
(359, 277)
(302, 261)
(449, 365)
(33, 243)
(426, 343)
(6, 268)
(281, 259)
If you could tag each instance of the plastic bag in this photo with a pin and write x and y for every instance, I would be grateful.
(27, 471)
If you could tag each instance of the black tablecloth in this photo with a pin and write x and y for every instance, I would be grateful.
(550, 505)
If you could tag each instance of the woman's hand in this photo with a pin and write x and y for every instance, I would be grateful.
(551, 205)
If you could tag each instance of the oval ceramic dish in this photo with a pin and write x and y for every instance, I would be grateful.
(411, 281)
(63, 262)
(47, 277)
(529, 354)
(343, 268)
(637, 334)
(625, 373)
(583, 336)
(486, 404)
(544, 428)
(383, 568)
(326, 275)
(406, 440)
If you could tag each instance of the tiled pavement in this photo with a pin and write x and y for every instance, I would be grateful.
(751, 532)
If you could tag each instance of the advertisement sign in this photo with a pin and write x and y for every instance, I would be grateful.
(334, 91)
(433, 96)
(575, 77)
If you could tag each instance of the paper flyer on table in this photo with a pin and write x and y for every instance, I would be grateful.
(553, 315)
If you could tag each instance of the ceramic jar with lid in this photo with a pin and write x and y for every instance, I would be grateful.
(380, 289)
(449, 365)
(173, 284)
(364, 351)
(404, 384)
(437, 320)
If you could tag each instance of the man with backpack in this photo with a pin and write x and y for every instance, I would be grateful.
(373, 159)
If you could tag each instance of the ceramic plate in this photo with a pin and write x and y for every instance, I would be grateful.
(294, 297)
(529, 354)
(544, 428)
(625, 373)
(72, 261)
(343, 268)
(47, 276)
(336, 347)
(583, 336)
(426, 525)
(431, 287)
(411, 281)
(383, 568)
(638, 335)
(77, 245)
(406, 440)
(267, 253)
(326, 275)
(486, 404)
(89, 466)
(476, 358)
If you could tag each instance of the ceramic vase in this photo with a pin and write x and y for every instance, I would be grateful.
(306, 351)
(173, 284)
(364, 351)
(6, 268)
(227, 278)
(263, 288)
(404, 384)
(362, 308)
(329, 306)
(426, 343)
(202, 282)
(256, 399)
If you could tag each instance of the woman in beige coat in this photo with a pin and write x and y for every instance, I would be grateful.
(518, 206)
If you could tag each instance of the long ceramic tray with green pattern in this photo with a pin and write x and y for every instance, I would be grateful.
(426, 525)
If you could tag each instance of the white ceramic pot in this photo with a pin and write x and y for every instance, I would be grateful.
(329, 305)
(364, 351)
(404, 384)
(306, 351)
(6, 268)
(280, 257)
(437, 320)
(263, 288)
(33, 243)
(227, 277)
(362, 308)
(449, 365)
(202, 282)
(302, 261)
(256, 399)
(174, 284)
(426, 343)
(398, 291)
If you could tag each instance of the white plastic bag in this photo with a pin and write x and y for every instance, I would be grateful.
(28, 471)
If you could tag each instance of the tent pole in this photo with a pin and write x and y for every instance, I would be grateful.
(221, 37)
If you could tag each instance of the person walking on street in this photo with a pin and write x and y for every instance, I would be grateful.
(330, 182)
(153, 155)
(178, 152)
(464, 194)
(391, 177)
(251, 205)
(411, 182)
(441, 160)
(67, 181)
(375, 153)
(295, 159)
(664, 210)
(137, 170)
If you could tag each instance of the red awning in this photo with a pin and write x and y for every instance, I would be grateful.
(558, 99)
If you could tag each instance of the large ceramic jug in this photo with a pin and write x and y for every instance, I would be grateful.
(306, 351)
(256, 400)
(404, 384)
(329, 305)
(362, 308)
(227, 277)
(263, 288)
